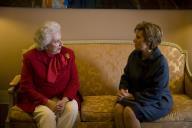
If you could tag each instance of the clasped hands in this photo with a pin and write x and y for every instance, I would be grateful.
(57, 106)
(124, 93)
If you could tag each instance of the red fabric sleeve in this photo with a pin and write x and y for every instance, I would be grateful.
(26, 83)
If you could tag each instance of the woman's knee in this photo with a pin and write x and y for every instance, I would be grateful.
(45, 112)
(72, 107)
(129, 114)
(118, 106)
(118, 109)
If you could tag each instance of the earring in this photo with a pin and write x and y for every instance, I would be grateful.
(149, 50)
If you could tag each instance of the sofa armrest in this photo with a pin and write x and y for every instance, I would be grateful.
(12, 96)
(15, 81)
(188, 79)
(13, 89)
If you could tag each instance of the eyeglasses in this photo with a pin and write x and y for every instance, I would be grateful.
(57, 41)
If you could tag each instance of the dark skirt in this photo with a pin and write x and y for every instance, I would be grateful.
(145, 113)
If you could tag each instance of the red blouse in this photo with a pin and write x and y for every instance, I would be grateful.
(35, 88)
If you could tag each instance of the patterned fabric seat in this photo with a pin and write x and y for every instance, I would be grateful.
(100, 65)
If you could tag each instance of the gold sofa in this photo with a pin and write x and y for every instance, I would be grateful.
(100, 65)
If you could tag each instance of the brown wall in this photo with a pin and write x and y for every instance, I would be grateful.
(17, 26)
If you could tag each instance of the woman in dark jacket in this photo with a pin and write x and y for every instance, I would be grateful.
(143, 91)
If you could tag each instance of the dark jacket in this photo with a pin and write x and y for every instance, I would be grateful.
(148, 79)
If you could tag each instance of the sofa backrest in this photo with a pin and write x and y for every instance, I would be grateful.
(101, 64)
(177, 61)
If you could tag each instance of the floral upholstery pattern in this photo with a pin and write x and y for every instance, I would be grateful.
(105, 124)
(181, 111)
(176, 62)
(23, 116)
(98, 108)
(100, 66)
(166, 125)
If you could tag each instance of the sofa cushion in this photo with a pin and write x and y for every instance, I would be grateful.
(106, 124)
(23, 116)
(181, 111)
(98, 108)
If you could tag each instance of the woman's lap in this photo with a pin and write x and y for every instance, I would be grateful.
(145, 113)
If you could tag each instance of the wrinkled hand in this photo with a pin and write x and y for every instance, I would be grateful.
(124, 93)
(51, 104)
(61, 104)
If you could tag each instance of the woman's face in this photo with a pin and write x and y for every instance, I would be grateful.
(55, 46)
(139, 41)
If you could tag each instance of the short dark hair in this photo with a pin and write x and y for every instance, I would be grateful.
(152, 33)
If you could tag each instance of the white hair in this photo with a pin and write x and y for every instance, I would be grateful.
(44, 34)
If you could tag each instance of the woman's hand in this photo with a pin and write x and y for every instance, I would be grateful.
(130, 97)
(124, 93)
(61, 104)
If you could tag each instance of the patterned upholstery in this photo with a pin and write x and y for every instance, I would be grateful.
(181, 111)
(176, 61)
(98, 108)
(100, 66)
(105, 124)
(20, 119)
(15, 111)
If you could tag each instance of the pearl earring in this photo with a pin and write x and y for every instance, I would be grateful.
(149, 50)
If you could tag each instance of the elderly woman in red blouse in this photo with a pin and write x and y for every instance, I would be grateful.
(49, 80)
